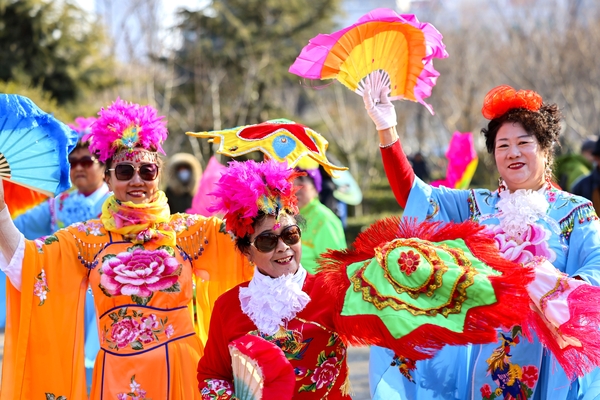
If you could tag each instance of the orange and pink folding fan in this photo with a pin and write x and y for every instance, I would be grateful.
(382, 40)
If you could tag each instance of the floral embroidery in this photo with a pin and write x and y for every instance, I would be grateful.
(525, 245)
(291, 342)
(328, 368)
(40, 287)
(530, 376)
(182, 222)
(52, 396)
(93, 228)
(486, 391)
(216, 389)
(409, 261)
(135, 330)
(44, 240)
(513, 381)
(136, 392)
(139, 273)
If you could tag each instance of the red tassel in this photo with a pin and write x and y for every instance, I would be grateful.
(584, 325)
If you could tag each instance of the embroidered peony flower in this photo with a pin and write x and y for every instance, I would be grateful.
(325, 373)
(409, 261)
(532, 242)
(169, 331)
(140, 273)
(147, 324)
(150, 322)
(486, 391)
(121, 396)
(125, 332)
(530, 376)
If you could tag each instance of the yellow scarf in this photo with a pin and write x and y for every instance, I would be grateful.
(140, 223)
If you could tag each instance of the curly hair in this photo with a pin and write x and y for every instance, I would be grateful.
(543, 124)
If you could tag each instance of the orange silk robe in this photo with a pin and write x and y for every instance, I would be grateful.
(150, 344)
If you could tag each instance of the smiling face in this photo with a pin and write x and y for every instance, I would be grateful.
(136, 189)
(520, 159)
(87, 178)
(283, 259)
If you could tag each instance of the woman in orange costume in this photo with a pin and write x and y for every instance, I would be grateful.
(141, 263)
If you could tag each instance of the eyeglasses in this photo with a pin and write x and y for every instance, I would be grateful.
(85, 162)
(266, 242)
(125, 172)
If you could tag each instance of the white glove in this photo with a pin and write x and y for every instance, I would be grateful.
(375, 90)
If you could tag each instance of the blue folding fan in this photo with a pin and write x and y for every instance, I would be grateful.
(34, 146)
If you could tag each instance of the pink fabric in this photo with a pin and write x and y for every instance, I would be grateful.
(310, 62)
(461, 152)
(565, 317)
(203, 200)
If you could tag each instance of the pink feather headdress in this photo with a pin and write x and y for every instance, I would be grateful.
(125, 125)
(248, 187)
(83, 126)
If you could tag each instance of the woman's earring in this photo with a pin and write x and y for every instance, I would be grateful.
(549, 175)
(501, 185)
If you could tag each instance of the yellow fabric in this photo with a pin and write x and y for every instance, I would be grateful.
(44, 343)
(130, 219)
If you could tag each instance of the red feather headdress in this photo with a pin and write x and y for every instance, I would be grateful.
(503, 98)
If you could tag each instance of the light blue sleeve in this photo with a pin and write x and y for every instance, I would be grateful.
(589, 386)
(35, 222)
(583, 258)
(437, 204)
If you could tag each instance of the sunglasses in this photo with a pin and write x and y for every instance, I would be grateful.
(85, 162)
(125, 172)
(266, 242)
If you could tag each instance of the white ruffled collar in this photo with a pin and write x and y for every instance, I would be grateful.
(271, 302)
(521, 208)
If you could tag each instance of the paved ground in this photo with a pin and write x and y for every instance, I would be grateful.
(358, 361)
(358, 358)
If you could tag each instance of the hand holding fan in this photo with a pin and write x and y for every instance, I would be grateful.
(34, 146)
(382, 40)
(260, 370)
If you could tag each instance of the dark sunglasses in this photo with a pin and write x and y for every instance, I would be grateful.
(266, 242)
(125, 172)
(85, 162)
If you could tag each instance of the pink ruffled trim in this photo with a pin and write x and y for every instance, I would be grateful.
(566, 318)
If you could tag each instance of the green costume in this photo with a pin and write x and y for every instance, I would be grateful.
(323, 231)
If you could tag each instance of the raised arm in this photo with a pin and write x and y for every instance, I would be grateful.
(10, 239)
(397, 167)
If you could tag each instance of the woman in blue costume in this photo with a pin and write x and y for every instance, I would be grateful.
(80, 203)
(529, 218)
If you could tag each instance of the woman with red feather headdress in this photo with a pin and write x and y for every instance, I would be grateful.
(533, 223)
(412, 287)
